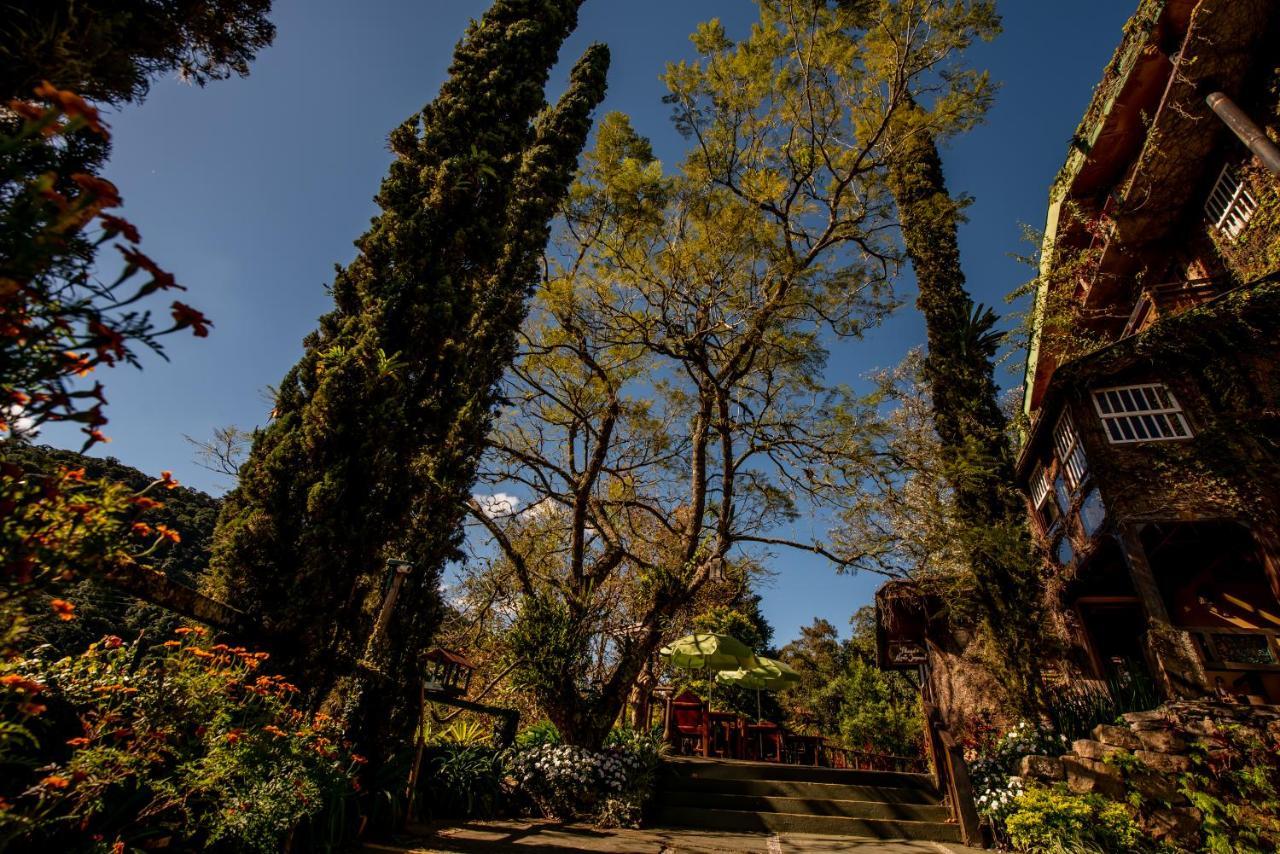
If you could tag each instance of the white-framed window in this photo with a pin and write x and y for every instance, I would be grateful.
(1140, 413)
(1071, 459)
(1230, 205)
(1039, 486)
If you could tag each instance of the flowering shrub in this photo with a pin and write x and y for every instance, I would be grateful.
(993, 768)
(566, 781)
(1046, 821)
(185, 743)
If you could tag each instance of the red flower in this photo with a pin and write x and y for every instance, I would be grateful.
(76, 475)
(73, 105)
(116, 225)
(233, 736)
(184, 316)
(145, 503)
(142, 529)
(166, 477)
(104, 193)
(112, 642)
(53, 781)
(64, 609)
(76, 363)
(77, 742)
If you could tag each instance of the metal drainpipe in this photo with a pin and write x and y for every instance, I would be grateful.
(1242, 126)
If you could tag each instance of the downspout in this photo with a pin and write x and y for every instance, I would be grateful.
(1248, 132)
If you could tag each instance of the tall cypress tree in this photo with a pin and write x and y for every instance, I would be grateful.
(959, 370)
(376, 433)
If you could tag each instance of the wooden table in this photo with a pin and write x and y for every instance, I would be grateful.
(810, 747)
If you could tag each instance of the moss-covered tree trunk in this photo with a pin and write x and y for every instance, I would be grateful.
(960, 373)
(373, 445)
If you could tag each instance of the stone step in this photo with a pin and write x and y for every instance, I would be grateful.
(780, 822)
(794, 789)
(820, 806)
(711, 769)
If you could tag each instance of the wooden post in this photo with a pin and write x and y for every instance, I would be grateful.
(402, 570)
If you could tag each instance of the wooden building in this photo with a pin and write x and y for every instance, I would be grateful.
(1152, 460)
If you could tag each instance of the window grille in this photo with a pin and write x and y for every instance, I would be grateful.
(1070, 455)
(1230, 205)
(1039, 486)
(1140, 413)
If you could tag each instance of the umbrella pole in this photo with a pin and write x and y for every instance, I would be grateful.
(757, 705)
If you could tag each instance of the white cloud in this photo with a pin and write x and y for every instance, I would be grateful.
(497, 505)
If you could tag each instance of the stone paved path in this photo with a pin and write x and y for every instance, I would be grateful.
(537, 837)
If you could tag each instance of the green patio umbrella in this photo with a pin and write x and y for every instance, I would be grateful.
(766, 674)
(708, 651)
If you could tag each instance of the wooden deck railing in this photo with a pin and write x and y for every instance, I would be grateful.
(861, 760)
(952, 775)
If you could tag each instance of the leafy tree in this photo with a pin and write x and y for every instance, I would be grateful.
(110, 50)
(375, 434)
(972, 430)
(670, 411)
(843, 695)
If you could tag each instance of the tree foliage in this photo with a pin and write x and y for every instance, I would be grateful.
(844, 696)
(375, 434)
(669, 410)
(111, 50)
(972, 431)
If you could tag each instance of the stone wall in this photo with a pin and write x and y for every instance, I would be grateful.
(1144, 757)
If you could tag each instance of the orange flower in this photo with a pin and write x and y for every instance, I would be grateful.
(103, 191)
(117, 847)
(234, 736)
(77, 742)
(358, 759)
(53, 781)
(145, 503)
(275, 730)
(172, 643)
(168, 533)
(77, 363)
(64, 609)
(18, 682)
(166, 477)
(142, 529)
(73, 105)
(76, 475)
(112, 642)
(117, 225)
(184, 316)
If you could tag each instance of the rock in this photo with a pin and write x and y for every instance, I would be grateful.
(1180, 824)
(1045, 768)
(1092, 749)
(1155, 786)
(1146, 720)
(1116, 736)
(1166, 763)
(1089, 775)
(1162, 741)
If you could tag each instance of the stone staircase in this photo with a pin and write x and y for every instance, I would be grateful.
(762, 796)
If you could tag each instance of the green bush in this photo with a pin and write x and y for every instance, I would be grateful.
(536, 735)
(1048, 821)
(461, 781)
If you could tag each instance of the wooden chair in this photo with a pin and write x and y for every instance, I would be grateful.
(689, 725)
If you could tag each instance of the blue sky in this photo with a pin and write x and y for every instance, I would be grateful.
(251, 190)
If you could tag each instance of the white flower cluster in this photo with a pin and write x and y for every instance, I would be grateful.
(568, 770)
(994, 773)
(997, 800)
